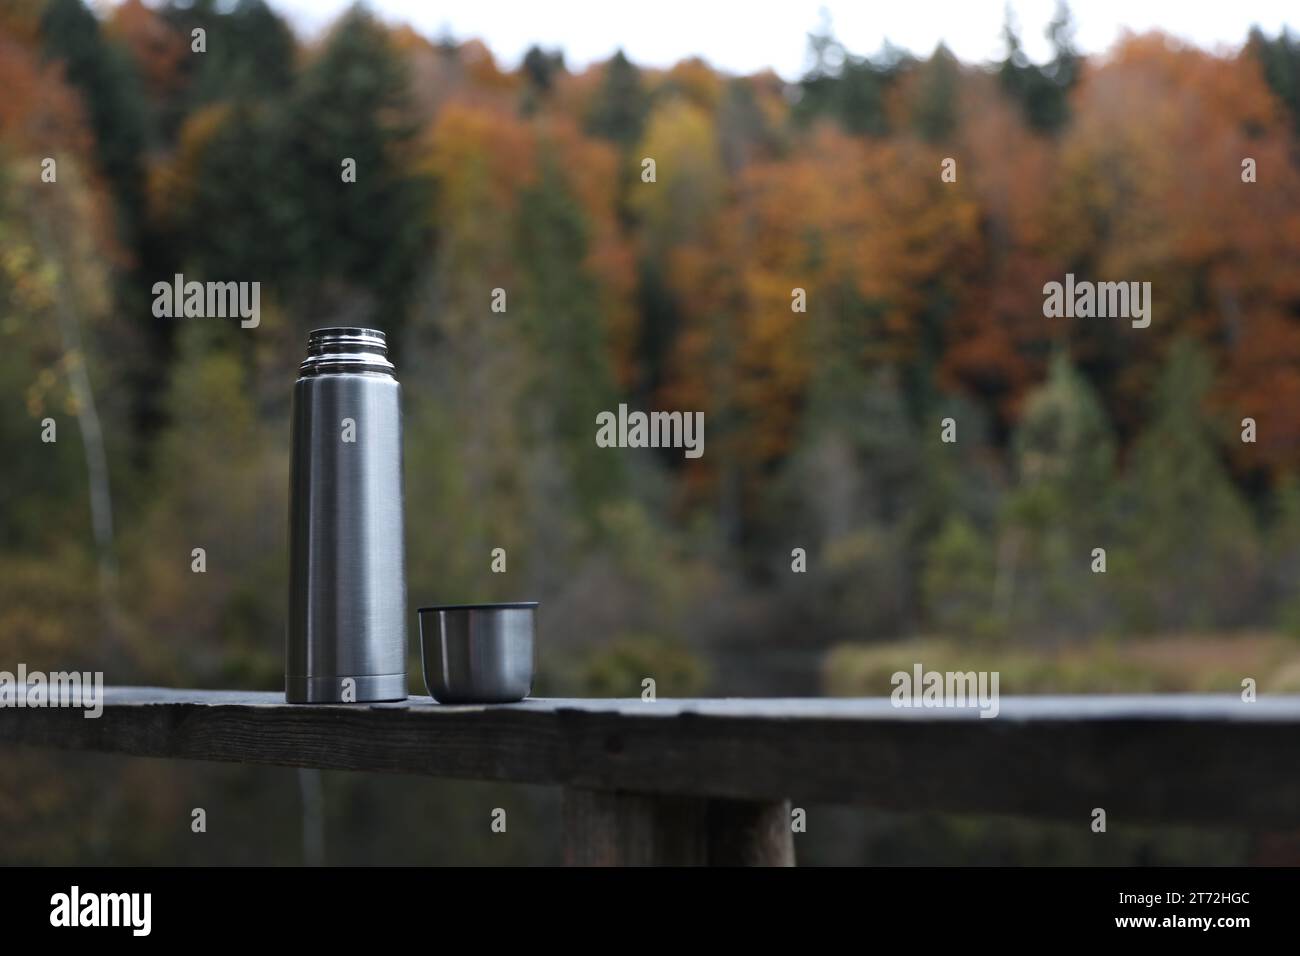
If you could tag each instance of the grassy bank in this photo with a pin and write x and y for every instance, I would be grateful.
(1171, 664)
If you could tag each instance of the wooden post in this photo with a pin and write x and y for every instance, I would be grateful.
(750, 833)
(607, 828)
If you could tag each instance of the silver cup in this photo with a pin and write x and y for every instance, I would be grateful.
(346, 638)
(478, 653)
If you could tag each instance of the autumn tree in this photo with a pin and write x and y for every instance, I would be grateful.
(1206, 240)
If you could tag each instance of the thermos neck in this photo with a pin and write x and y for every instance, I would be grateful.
(346, 350)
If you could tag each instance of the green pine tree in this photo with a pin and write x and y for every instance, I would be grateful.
(619, 110)
(1042, 92)
(1191, 549)
(562, 319)
(1060, 510)
(104, 75)
(934, 114)
(369, 236)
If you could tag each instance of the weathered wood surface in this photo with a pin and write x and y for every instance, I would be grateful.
(1174, 758)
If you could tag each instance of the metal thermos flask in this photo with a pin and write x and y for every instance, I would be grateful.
(347, 573)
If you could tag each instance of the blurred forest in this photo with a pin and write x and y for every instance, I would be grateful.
(924, 302)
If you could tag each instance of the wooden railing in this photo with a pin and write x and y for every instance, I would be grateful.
(711, 781)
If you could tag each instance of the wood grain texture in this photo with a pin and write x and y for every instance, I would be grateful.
(1175, 759)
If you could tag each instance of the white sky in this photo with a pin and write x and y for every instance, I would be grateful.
(744, 37)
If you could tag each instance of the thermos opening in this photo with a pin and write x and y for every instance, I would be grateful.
(346, 349)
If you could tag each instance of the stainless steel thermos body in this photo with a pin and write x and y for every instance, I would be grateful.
(346, 639)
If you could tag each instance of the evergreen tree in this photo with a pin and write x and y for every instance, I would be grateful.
(1059, 511)
(844, 496)
(848, 88)
(249, 50)
(105, 76)
(239, 212)
(934, 114)
(1279, 59)
(950, 522)
(1283, 555)
(1063, 445)
(541, 68)
(1042, 92)
(744, 133)
(958, 582)
(619, 111)
(562, 319)
(352, 103)
(1191, 549)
